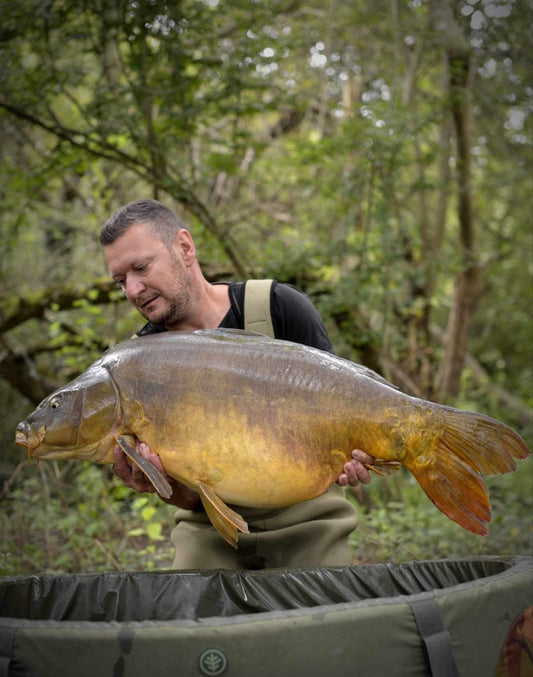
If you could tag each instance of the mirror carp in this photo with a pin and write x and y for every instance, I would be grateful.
(258, 422)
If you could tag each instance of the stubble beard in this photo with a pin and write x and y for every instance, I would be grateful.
(179, 310)
(180, 302)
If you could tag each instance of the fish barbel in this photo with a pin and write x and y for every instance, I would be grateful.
(258, 422)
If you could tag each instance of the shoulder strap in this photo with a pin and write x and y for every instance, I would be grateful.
(257, 307)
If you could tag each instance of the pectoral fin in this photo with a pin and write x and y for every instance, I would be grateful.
(383, 468)
(225, 520)
(127, 444)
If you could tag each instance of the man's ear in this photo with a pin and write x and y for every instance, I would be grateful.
(185, 246)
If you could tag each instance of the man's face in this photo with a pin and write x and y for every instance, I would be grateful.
(155, 280)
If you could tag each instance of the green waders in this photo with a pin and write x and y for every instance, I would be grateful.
(313, 533)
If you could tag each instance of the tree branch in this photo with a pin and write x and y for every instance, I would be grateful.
(175, 186)
(17, 310)
(19, 370)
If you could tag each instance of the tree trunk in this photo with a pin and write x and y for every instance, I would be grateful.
(465, 297)
(467, 289)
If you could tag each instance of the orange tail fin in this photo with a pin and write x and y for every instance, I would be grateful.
(469, 445)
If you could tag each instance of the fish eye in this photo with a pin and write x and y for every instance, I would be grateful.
(55, 402)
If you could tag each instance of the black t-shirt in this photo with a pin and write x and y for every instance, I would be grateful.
(294, 317)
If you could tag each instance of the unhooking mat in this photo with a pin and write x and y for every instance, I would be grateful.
(468, 617)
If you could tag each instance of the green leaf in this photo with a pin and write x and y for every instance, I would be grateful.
(136, 532)
(154, 531)
(139, 502)
(148, 512)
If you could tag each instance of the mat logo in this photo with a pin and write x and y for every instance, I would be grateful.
(212, 662)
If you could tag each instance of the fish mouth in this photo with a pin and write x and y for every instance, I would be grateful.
(32, 440)
(26, 437)
(21, 439)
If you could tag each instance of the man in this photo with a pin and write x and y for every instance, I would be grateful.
(152, 256)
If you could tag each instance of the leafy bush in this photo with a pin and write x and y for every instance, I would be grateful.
(80, 518)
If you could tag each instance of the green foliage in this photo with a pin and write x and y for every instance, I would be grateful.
(75, 517)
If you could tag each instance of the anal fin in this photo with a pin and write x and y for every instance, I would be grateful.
(127, 444)
(225, 520)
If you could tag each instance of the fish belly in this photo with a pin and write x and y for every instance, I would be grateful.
(257, 461)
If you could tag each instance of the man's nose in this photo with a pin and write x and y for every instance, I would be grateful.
(134, 286)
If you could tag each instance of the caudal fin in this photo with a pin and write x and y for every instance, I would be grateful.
(469, 445)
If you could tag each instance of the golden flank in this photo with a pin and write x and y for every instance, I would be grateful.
(252, 421)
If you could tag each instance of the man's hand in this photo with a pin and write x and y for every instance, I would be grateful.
(355, 471)
(133, 477)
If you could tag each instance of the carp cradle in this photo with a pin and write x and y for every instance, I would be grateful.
(360, 620)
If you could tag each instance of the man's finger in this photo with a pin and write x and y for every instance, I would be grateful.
(362, 457)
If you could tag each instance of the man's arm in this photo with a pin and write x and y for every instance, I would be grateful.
(133, 477)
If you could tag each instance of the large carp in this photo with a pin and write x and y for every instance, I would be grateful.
(253, 421)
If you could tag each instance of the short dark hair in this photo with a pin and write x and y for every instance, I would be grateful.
(160, 220)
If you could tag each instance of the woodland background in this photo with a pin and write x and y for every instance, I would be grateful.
(376, 154)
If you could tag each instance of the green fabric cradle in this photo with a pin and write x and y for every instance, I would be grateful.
(439, 618)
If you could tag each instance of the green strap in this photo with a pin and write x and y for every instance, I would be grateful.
(7, 641)
(435, 638)
(257, 307)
